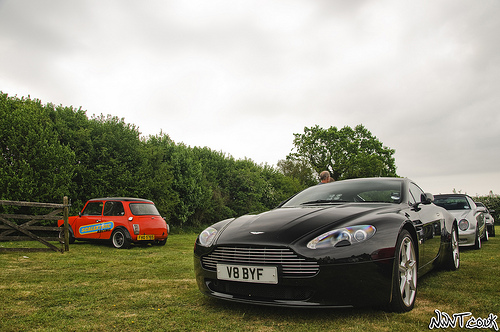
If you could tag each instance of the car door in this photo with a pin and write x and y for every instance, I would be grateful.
(87, 223)
(429, 227)
(113, 216)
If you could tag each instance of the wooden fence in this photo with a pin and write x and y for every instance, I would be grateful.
(15, 231)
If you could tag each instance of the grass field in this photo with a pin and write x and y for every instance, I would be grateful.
(95, 287)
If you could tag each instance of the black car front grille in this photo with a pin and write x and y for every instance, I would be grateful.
(290, 263)
(259, 291)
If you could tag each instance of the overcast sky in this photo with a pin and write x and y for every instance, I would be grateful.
(242, 77)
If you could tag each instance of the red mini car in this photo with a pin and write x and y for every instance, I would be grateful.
(122, 220)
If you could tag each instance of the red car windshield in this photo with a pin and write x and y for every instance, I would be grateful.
(143, 209)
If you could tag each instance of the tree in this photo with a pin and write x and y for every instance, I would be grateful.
(278, 187)
(47, 152)
(156, 176)
(187, 183)
(492, 202)
(299, 170)
(346, 153)
(34, 165)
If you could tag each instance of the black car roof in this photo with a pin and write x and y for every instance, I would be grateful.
(128, 199)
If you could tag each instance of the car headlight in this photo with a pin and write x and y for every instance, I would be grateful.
(342, 237)
(207, 237)
(463, 224)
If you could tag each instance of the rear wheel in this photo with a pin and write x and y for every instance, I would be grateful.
(120, 239)
(404, 274)
(161, 243)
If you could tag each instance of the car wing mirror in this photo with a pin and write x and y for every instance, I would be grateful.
(427, 198)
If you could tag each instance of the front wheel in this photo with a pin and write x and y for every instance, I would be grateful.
(453, 259)
(404, 274)
(477, 242)
(486, 234)
(71, 238)
(120, 240)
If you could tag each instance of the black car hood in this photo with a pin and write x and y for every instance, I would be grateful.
(287, 225)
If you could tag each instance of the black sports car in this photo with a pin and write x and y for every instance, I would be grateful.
(342, 244)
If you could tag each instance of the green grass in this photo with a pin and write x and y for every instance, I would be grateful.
(95, 287)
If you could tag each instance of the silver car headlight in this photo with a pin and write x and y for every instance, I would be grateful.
(342, 237)
(207, 237)
(463, 224)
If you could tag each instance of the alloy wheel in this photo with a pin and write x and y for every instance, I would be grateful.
(407, 271)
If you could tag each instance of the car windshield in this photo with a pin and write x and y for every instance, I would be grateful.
(359, 190)
(452, 202)
(143, 209)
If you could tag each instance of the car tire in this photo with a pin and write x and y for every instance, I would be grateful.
(477, 242)
(71, 238)
(492, 233)
(120, 239)
(453, 260)
(486, 234)
(404, 274)
(161, 243)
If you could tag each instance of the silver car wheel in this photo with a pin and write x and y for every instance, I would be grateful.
(407, 271)
(455, 248)
(477, 242)
(119, 239)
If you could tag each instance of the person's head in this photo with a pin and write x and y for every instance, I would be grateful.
(324, 177)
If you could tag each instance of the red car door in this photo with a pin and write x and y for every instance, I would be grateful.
(88, 223)
(113, 216)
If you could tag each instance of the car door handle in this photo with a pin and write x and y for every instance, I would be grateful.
(97, 221)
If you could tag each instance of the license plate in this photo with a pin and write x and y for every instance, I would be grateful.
(145, 237)
(257, 274)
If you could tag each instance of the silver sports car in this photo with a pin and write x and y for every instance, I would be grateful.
(471, 221)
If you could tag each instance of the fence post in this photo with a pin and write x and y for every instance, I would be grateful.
(66, 226)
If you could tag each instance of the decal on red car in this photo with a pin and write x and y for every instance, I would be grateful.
(99, 227)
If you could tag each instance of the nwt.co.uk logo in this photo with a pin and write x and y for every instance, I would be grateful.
(94, 228)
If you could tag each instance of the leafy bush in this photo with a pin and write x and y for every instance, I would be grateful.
(48, 152)
(492, 202)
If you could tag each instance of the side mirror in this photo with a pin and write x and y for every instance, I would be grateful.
(427, 198)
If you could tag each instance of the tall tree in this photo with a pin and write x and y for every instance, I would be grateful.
(156, 176)
(346, 153)
(34, 165)
(299, 170)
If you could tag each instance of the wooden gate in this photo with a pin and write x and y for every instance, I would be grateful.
(15, 231)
